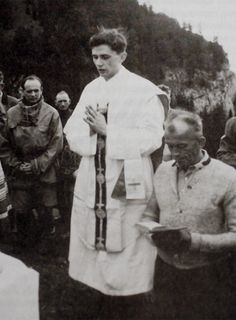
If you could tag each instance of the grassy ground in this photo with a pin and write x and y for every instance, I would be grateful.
(57, 293)
(61, 298)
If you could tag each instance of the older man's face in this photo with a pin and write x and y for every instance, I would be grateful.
(107, 61)
(184, 144)
(62, 101)
(32, 91)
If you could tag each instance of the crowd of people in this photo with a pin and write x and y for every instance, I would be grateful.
(100, 169)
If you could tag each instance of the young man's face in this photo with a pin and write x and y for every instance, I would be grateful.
(32, 91)
(107, 61)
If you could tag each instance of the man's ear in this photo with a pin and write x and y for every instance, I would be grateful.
(123, 56)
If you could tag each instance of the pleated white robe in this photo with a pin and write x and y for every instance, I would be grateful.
(134, 131)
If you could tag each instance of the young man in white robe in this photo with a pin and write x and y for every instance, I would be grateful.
(116, 126)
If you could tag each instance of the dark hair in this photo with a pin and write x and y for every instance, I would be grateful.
(114, 38)
(31, 77)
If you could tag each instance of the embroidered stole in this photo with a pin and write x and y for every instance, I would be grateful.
(100, 193)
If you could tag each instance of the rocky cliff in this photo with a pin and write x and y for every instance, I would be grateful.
(201, 93)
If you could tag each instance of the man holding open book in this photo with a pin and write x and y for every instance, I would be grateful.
(196, 198)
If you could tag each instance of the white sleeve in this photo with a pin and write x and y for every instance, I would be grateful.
(142, 140)
(77, 131)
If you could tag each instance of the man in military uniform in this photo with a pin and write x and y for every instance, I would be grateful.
(34, 136)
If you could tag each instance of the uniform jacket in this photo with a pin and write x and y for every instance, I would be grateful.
(8, 101)
(34, 135)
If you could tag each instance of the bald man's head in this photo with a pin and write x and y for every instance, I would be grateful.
(184, 136)
(181, 122)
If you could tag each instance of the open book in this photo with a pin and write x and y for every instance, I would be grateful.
(152, 227)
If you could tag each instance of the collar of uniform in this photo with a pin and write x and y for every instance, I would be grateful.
(33, 107)
(203, 162)
(30, 113)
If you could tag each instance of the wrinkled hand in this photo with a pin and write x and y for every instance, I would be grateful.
(26, 168)
(96, 121)
(175, 241)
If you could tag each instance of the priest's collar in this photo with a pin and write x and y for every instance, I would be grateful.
(116, 76)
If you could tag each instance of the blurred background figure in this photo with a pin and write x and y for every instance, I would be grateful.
(69, 163)
(227, 148)
(62, 104)
(4, 206)
(6, 100)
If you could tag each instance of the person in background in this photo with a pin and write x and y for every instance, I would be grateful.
(227, 149)
(35, 139)
(162, 153)
(69, 163)
(62, 104)
(6, 212)
(6, 100)
(195, 201)
(116, 125)
(5, 206)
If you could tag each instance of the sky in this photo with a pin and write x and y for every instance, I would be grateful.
(211, 18)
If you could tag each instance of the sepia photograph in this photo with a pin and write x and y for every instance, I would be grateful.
(117, 160)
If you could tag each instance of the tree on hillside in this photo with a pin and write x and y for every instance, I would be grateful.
(50, 38)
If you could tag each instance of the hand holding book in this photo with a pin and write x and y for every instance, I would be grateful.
(174, 240)
(171, 239)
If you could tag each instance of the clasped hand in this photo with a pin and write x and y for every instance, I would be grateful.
(96, 121)
(175, 241)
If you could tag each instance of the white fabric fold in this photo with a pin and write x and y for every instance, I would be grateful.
(19, 288)
(134, 181)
